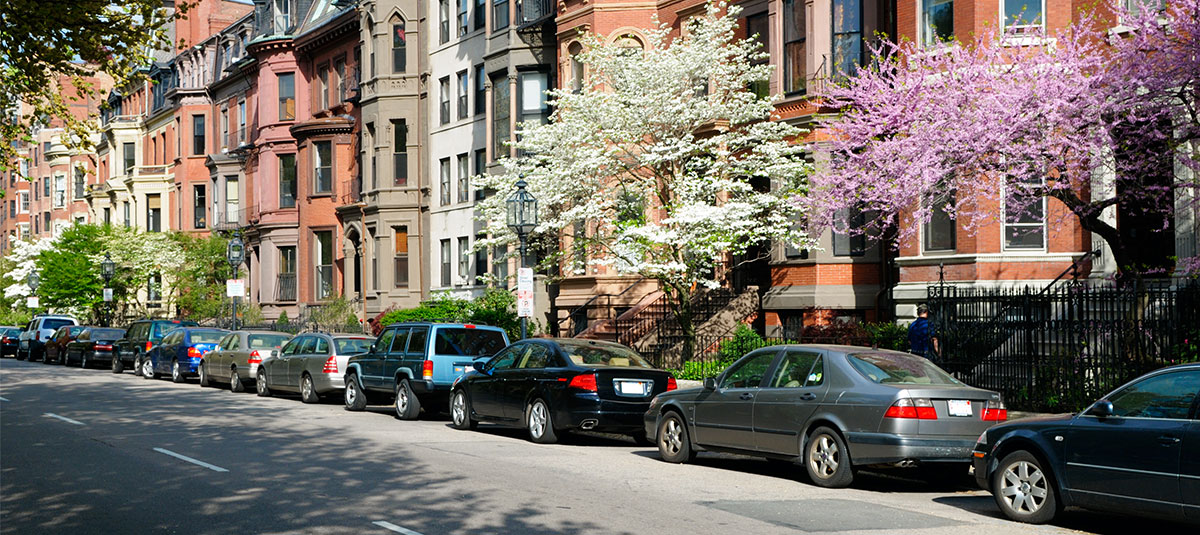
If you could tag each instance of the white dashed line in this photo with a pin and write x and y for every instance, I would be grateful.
(392, 527)
(3, 399)
(212, 467)
(63, 418)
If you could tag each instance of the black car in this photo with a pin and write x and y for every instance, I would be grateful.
(1135, 451)
(140, 337)
(552, 385)
(94, 344)
(8, 340)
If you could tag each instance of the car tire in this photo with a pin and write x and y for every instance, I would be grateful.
(202, 369)
(260, 384)
(83, 361)
(1016, 484)
(460, 411)
(177, 375)
(827, 459)
(235, 381)
(308, 392)
(674, 442)
(353, 396)
(540, 422)
(408, 407)
(118, 366)
(148, 371)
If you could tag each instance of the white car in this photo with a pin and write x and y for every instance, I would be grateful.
(32, 342)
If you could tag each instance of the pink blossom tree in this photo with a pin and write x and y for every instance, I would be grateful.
(1100, 116)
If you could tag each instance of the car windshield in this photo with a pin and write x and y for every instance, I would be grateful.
(593, 354)
(55, 323)
(259, 341)
(468, 342)
(207, 337)
(107, 334)
(352, 346)
(900, 368)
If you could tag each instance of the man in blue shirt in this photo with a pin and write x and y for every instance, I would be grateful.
(921, 339)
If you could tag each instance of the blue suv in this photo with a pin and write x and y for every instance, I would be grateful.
(414, 364)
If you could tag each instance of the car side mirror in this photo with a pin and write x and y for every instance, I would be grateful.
(481, 366)
(1102, 409)
(710, 383)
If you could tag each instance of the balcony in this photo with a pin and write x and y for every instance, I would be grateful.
(531, 13)
(285, 287)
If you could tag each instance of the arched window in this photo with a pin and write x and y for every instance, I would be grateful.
(576, 66)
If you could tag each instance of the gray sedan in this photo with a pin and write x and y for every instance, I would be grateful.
(831, 408)
(311, 364)
(237, 356)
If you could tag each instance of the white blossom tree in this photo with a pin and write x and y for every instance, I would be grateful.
(665, 159)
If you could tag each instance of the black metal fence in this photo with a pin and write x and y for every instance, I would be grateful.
(1061, 348)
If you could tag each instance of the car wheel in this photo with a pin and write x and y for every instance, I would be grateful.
(20, 355)
(308, 392)
(118, 365)
(540, 423)
(83, 362)
(260, 384)
(1023, 489)
(827, 459)
(148, 370)
(177, 372)
(674, 445)
(235, 381)
(408, 407)
(202, 369)
(460, 411)
(353, 396)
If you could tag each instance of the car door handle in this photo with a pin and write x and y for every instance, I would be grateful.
(746, 395)
(808, 396)
(1167, 440)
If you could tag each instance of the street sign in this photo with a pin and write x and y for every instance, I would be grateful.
(32, 301)
(235, 288)
(525, 292)
(108, 294)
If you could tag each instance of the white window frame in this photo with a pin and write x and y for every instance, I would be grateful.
(1026, 33)
(1004, 225)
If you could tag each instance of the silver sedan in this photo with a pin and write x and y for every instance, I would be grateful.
(311, 364)
(237, 357)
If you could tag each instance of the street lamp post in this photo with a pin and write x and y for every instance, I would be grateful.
(107, 268)
(235, 254)
(522, 219)
(33, 280)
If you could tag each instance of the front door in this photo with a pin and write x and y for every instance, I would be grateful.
(392, 362)
(277, 368)
(530, 369)
(725, 416)
(486, 389)
(784, 405)
(1189, 470)
(295, 363)
(370, 362)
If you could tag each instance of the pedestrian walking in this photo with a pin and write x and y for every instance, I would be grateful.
(921, 338)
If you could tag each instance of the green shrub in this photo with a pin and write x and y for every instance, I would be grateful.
(283, 317)
(887, 335)
(496, 307)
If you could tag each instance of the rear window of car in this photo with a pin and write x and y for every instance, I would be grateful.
(74, 331)
(107, 334)
(899, 368)
(591, 354)
(55, 323)
(259, 341)
(352, 346)
(207, 337)
(12, 332)
(466, 342)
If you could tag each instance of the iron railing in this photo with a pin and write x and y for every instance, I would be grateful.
(285, 287)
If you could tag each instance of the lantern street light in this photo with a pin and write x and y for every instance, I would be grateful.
(107, 269)
(235, 254)
(522, 219)
(33, 280)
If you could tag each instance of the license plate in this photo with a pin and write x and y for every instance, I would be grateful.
(25, 343)
(632, 388)
(960, 407)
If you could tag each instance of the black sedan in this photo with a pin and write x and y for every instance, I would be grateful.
(552, 385)
(1135, 451)
(94, 344)
(8, 340)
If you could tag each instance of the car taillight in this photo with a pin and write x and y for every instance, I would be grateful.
(4, 340)
(254, 358)
(149, 345)
(103, 347)
(914, 408)
(193, 353)
(586, 382)
(331, 365)
(995, 411)
(427, 370)
(671, 384)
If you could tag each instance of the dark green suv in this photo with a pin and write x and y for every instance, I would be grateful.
(414, 364)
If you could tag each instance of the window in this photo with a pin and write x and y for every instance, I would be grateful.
(500, 114)
(480, 90)
(60, 191)
(759, 28)
(153, 213)
(283, 16)
(368, 145)
(464, 258)
(463, 89)
(937, 21)
(400, 265)
(399, 152)
(1023, 17)
(323, 255)
(107, 216)
(322, 167)
(749, 372)
(443, 21)
(480, 14)
(463, 25)
(241, 122)
(80, 179)
(940, 230)
(797, 370)
(480, 165)
(287, 274)
(127, 150)
(287, 97)
(444, 99)
(154, 288)
(232, 199)
(576, 66)
(847, 243)
(500, 263)
(24, 202)
(481, 261)
(464, 178)
(287, 181)
(444, 167)
(46, 187)
(322, 86)
(445, 262)
(199, 207)
(534, 107)
(795, 32)
(198, 141)
(341, 86)
(1135, 7)
(1169, 395)
(847, 37)
(125, 210)
(224, 129)
(1024, 216)
(499, 14)
(399, 57)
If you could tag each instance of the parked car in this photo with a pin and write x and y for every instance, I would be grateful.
(237, 357)
(312, 364)
(549, 386)
(94, 344)
(32, 341)
(1135, 451)
(179, 352)
(414, 364)
(833, 408)
(8, 340)
(140, 337)
(56, 346)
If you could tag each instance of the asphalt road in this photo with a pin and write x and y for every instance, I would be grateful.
(86, 451)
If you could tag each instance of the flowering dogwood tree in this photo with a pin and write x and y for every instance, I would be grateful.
(1100, 120)
(664, 163)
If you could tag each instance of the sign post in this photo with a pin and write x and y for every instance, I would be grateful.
(524, 298)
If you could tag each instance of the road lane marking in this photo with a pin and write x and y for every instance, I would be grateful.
(392, 527)
(63, 418)
(212, 467)
(3, 398)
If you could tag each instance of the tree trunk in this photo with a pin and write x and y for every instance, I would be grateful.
(681, 308)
